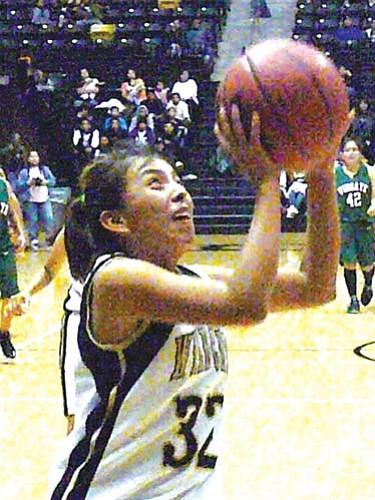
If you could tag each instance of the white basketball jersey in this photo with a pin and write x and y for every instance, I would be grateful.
(69, 352)
(148, 416)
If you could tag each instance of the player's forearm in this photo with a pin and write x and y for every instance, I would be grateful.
(323, 235)
(254, 275)
(42, 281)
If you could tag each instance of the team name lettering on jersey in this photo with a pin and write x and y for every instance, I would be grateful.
(354, 186)
(201, 350)
(4, 208)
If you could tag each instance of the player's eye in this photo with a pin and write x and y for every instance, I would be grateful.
(154, 182)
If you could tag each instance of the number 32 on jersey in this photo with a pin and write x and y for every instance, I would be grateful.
(187, 411)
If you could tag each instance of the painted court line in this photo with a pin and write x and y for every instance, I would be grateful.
(37, 339)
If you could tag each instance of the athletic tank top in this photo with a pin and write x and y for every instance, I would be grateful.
(354, 194)
(73, 299)
(5, 243)
(148, 414)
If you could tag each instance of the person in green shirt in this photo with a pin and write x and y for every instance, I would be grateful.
(355, 185)
(10, 222)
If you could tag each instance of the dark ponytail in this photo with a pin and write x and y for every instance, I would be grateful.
(102, 184)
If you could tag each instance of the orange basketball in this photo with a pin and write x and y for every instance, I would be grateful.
(298, 94)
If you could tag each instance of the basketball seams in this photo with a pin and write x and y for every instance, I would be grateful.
(270, 102)
(317, 85)
(298, 94)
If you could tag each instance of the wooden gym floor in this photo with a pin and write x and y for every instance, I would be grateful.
(300, 404)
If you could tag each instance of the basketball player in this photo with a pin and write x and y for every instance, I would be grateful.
(153, 365)
(9, 216)
(355, 182)
(69, 328)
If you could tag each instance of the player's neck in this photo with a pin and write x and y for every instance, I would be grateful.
(351, 169)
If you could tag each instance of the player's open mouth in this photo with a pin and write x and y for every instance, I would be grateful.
(182, 216)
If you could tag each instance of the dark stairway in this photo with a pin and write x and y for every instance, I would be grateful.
(222, 206)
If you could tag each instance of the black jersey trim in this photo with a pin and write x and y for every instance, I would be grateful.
(85, 458)
(62, 359)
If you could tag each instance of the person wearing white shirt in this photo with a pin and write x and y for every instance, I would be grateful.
(181, 107)
(187, 88)
(89, 89)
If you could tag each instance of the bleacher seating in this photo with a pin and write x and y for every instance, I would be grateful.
(139, 42)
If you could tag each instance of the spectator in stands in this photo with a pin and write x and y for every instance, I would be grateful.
(105, 146)
(296, 196)
(173, 138)
(348, 31)
(181, 107)
(142, 134)
(161, 92)
(85, 142)
(154, 105)
(43, 82)
(196, 36)
(89, 89)
(34, 181)
(187, 88)
(84, 112)
(114, 113)
(165, 150)
(141, 112)
(115, 133)
(133, 89)
(200, 40)
(175, 39)
(41, 13)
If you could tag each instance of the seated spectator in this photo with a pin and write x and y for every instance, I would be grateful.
(34, 181)
(170, 117)
(133, 89)
(84, 112)
(175, 39)
(154, 105)
(142, 134)
(196, 35)
(114, 132)
(188, 89)
(86, 140)
(165, 150)
(141, 112)
(161, 92)
(200, 40)
(295, 195)
(42, 81)
(181, 107)
(174, 139)
(348, 31)
(41, 13)
(114, 113)
(89, 89)
(105, 146)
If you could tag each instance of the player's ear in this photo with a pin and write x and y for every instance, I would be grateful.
(114, 221)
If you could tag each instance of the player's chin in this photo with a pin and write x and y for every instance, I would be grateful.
(184, 230)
